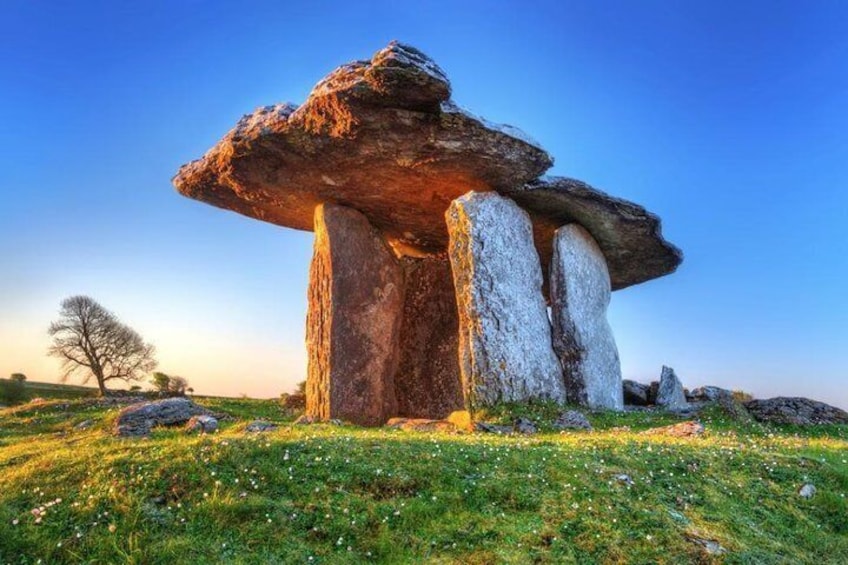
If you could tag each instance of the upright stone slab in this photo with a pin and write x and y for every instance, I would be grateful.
(582, 337)
(504, 333)
(353, 321)
(670, 393)
(428, 381)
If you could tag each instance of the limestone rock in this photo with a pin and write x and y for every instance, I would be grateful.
(421, 425)
(353, 320)
(808, 490)
(629, 236)
(427, 382)
(524, 426)
(582, 337)
(670, 393)
(84, 425)
(259, 426)
(635, 394)
(683, 429)
(708, 394)
(572, 420)
(203, 423)
(504, 333)
(138, 419)
(383, 136)
(380, 136)
(798, 411)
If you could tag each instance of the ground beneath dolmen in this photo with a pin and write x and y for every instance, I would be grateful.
(338, 494)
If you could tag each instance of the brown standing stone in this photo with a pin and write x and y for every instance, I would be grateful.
(428, 381)
(353, 320)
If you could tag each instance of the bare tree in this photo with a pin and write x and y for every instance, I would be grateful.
(92, 342)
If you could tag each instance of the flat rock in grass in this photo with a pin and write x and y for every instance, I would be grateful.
(203, 424)
(807, 491)
(421, 425)
(572, 420)
(670, 392)
(493, 428)
(688, 429)
(711, 547)
(260, 426)
(138, 419)
(524, 426)
(795, 410)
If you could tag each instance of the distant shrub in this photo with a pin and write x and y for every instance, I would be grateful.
(742, 396)
(135, 388)
(12, 391)
(169, 384)
(18, 377)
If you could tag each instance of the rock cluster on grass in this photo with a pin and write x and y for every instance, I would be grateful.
(438, 245)
(799, 411)
(203, 423)
(138, 419)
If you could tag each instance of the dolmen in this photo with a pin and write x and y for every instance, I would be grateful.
(448, 273)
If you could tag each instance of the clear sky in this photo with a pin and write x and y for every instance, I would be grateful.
(726, 118)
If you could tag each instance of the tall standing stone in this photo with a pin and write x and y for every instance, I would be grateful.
(428, 381)
(504, 332)
(353, 320)
(582, 336)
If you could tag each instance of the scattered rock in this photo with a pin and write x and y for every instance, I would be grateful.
(203, 424)
(524, 426)
(84, 425)
(504, 332)
(492, 428)
(259, 426)
(807, 491)
(353, 320)
(625, 479)
(635, 394)
(582, 337)
(794, 410)
(138, 419)
(670, 392)
(572, 420)
(421, 425)
(708, 394)
(711, 547)
(683, 429)
(306, 420)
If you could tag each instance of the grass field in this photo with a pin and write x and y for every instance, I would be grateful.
(340, 494)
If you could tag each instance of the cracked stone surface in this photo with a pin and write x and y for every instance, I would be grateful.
(353, 320)
(504, 333)
(582, 337)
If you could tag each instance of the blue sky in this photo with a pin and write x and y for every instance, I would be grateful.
(728, 119)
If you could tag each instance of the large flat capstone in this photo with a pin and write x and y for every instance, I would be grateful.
(504, 332)
(353, 320)
(582, 336)
(382, 136)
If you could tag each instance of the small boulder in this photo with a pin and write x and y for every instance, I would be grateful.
(138, 419)
(635, 394)
(525, 426)
(84, 425)
(421, 425)
(708, 394)
(807, 491)
(204, 424)
(683, 429)
(793, 410)
(572, 420)
(670, 392)
(260, 426)
(625, 479)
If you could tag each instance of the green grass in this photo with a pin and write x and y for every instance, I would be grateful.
(339, 494)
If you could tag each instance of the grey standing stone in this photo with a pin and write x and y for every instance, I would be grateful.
(505, 348)
(670, 393)
(582, 337)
